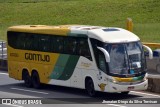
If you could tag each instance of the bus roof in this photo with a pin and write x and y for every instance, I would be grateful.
(104, 34)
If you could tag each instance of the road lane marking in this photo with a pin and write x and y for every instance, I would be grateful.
(145, 93)
(12, 105)
(116, 105)
(29, 90)
(3, 73)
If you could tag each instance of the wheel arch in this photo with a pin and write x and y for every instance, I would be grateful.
(86, 79)
(34, 71)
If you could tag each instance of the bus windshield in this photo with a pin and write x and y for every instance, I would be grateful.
(126, 58)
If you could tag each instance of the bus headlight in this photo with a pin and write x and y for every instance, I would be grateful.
(112, 80)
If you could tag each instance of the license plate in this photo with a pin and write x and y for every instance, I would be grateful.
(131, 88)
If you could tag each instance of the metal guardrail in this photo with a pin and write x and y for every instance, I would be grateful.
(3, 50)
(153, 45)
(3, 55)
(154, 64)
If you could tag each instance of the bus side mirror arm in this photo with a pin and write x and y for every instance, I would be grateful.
(149, 50)
(106, 54)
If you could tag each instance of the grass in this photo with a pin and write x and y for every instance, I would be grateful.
(144, 13)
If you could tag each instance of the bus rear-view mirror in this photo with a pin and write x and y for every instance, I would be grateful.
(106, 54)
(150, 53)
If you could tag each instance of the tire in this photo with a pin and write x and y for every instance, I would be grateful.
(90, 88)
(125, 93)
(27, 79)
(35, 80)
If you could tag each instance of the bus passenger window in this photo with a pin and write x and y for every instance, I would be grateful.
(102, 65)
(70, 45)
(28, 42)
(83, 49)
(74, 48)
(21, 39)
(34, 42)
(52, 43)
(44, 43)
(59, 45)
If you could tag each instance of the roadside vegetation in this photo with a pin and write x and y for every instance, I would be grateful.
(144, 13)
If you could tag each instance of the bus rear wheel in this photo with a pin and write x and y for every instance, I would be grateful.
(35, 80)
(27, 79)
(90, 88)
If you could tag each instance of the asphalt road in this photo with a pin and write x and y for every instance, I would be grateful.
(58, 96)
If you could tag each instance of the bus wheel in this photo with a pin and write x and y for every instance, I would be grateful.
(125, 93)
(35, 80)
(27, 79)
(90, 88)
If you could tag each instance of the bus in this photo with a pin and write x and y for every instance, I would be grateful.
(94, 58)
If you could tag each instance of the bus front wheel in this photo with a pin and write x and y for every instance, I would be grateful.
(35, 80)
(90, 88)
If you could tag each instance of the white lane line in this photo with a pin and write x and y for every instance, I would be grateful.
(29, 90)
(145, 93)
(116, 105)
(12, 105)
(3, 73)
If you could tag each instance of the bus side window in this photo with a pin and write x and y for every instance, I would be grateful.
(52, 43)
(44, 43)
(59, 44)
(34, 42)
(70, 45)
(20, 39)
(11, 39)
(74, 46)
(99, 56)
(28, 42)
(83, 48)
(101, 62)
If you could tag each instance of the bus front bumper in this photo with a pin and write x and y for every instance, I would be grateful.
(116, 87)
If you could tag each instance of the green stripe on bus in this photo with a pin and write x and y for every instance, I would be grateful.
(69, 68)
(59, 66)
(138, 78)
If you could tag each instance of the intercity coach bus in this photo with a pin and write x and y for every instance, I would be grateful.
(95, 58)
